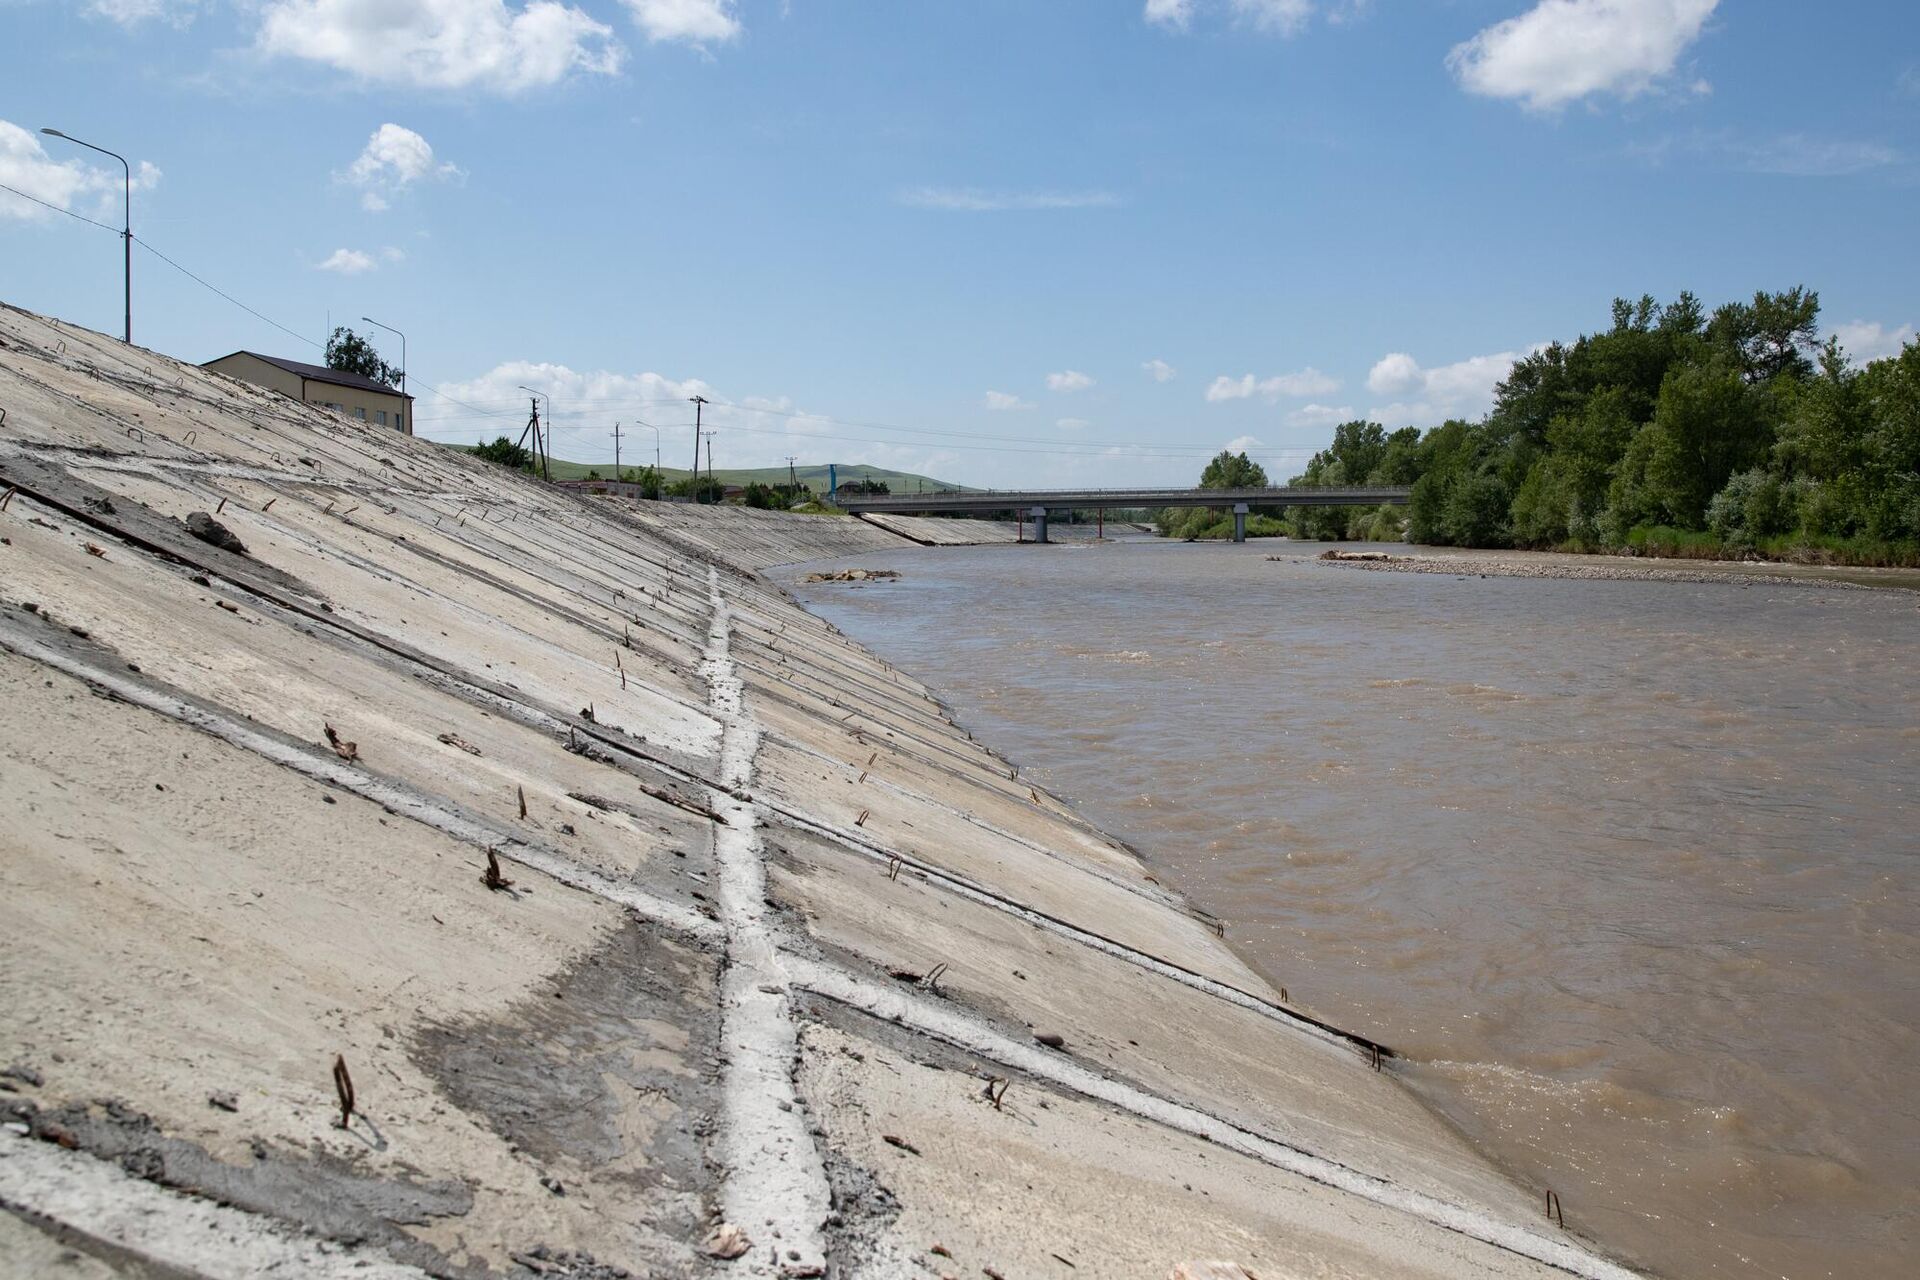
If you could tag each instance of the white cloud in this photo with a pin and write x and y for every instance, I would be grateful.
(1160, 370)
(1002, 402)
(1795, 155)
(1560, 51)
(396, 154)
(1463, 389)
(131, 13)
(347, 262)
(1244, 444)
(1068, 380)
(1866, 341)
(1307, 382)
(1270, 17)
(1394, 375)
(443, 44)
(974, 200)
(1320, 415)
(750, 431)
(1799, 155)
(64, 184)
(1072, 424)
(394, 158)
(695, 21)
(393, 254)
(1170, 13)
(1276, 17)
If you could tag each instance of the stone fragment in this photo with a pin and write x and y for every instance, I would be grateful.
(727, 1241)
(204, 527)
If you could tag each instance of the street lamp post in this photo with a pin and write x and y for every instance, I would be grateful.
(656, 444)
(403, 364)
(126, 234)
(546, 452)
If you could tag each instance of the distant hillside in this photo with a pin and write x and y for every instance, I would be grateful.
(813, 476)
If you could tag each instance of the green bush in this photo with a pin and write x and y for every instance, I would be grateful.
(504, 452)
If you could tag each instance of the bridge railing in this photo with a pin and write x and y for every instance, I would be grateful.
(1227, 495)
(1069, 499)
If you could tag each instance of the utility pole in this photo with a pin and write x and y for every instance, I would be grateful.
(793, 480)
(539, 443)
(533, 429)
(616, 452)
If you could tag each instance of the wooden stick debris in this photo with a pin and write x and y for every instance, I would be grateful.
(343, 1085)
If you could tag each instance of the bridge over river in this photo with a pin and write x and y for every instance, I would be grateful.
(1036, 503)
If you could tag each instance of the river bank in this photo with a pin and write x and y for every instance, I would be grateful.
(1398, 558)
(1572, 843)
(439, 874)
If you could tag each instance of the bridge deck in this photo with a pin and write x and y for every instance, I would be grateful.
(1105, 499)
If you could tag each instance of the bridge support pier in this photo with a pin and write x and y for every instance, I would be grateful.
(1039, 515)
(1239, 522)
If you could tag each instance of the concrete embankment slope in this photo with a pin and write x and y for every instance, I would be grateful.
(776, 963)
(752, 540)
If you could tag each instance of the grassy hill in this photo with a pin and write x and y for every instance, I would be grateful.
(813, 475)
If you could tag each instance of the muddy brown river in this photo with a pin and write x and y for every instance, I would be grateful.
(1629, 871)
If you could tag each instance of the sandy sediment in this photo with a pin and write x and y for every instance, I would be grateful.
(779, 962)
(1598, 568)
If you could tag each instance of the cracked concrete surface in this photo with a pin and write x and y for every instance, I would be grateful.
(738, 845)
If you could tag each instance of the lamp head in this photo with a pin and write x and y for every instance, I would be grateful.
(53, 133)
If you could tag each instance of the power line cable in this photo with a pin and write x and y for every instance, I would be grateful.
(229, 297)
(268, 319)
(1081, 449)
(1077, 448)
(57, 209)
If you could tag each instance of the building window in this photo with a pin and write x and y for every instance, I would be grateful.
(360, 414)
(380, 417)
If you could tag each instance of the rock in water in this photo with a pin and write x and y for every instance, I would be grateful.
(207, 529)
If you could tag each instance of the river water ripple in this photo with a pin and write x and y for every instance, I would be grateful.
(1630, 871)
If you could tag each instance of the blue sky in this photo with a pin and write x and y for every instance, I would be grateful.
(1003, 241)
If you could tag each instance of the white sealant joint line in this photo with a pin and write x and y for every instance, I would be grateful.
(776, 1187)
(172, 1231)
(955, 883)
(965, 1032)
(400, 799)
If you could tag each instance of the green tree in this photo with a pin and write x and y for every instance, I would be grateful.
(646, 477)
(1669, 425)
(348, 352)
(1772, 336)
(1565, 491)
(1707, 425)
(1227, 470)
(702, 489)
(1233, 471)
(1361, 453)
(504, 452)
